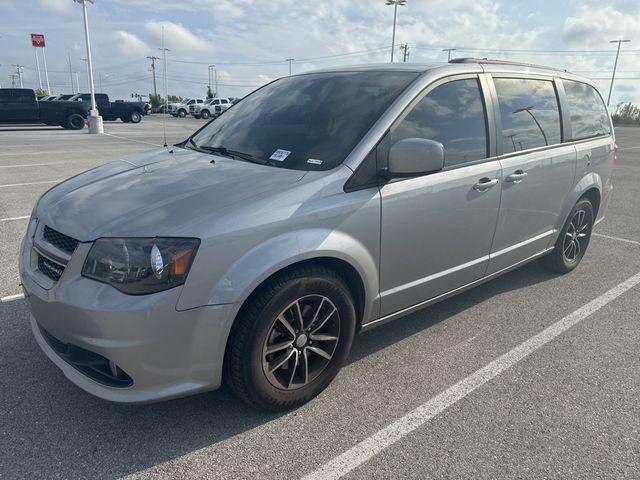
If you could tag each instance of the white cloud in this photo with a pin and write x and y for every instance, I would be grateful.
(595, 26)
(177, 37)
(58, 6)
(130, 45)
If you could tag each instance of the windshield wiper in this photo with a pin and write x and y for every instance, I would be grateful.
(232, 154)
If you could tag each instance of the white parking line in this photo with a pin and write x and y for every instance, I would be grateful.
(633, 242)
(132, 140)
(30, 183)
(11, 219)
(11, 298)
(376, 443)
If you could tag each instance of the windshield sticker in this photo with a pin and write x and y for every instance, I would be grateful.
(279, 155)
(314, 161)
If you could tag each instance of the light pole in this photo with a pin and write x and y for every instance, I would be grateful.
(95, 120)
(289, 60)
(449, 50)
(213, 75)
(528, 110)
(615, 65)
(395, 4)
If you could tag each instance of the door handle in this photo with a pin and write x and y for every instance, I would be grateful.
(516, 177)
(485, 184)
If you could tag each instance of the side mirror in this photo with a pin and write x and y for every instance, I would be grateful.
(412, 157)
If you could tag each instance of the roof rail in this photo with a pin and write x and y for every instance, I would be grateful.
(502, 62)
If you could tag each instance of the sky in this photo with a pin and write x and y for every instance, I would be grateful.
(249, 40)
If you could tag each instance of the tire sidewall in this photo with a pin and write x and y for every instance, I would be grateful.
(588, 208)
(75, 121)
(205, 114)
(297, 288)
(182, 113)
(135, 117)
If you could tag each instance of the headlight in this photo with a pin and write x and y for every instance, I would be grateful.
(139, 266)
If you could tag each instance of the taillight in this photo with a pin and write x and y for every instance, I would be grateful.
(615, 152)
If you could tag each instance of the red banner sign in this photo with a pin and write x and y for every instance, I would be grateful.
(37, 40)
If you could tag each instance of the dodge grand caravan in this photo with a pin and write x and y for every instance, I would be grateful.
(321, 205)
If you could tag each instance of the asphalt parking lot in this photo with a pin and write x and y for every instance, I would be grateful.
(401, 408)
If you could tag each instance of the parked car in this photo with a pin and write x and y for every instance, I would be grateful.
(212, 107)
(182, 109)
(321, 205)
(19, 105)
(110, 111)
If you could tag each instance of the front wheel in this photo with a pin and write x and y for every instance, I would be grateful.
(205, 114)
(182, 113)
(291, 339)
(573, 240)
(124, 119)
(135, 117)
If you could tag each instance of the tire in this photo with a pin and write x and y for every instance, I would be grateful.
(573, 240)
(326, 305)
(135, 117)
(125, 119)
(205, 114)
(75, 121)
(197, 116)
(182, 113)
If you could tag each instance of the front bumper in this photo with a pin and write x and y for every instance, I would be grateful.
(165, 352)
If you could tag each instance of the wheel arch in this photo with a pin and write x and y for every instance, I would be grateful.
(593, 195)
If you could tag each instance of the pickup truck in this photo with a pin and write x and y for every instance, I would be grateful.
(19, 105)
(109, 111)
(182, 109)
(211, 108)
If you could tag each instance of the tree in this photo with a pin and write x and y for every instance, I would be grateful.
(155, 100)
(209, 92)
(174, 98)
(41, 93)
(626, 114)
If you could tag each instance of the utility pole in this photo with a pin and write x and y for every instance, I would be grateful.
(615, 65)
(70, 71)
(405, 52)
(13, 80)
(19, 69)
(153, 69)
(289, 60)
(448, 50)
(86, 64)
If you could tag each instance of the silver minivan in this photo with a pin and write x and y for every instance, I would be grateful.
(321, 205)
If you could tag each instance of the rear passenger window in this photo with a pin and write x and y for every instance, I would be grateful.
(529, 113)
(452, 114)
(589, 116)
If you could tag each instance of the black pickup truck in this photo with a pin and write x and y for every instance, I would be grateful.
(109, 111)
(19, 105)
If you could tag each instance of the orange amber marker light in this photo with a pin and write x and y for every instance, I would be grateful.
(180, 262)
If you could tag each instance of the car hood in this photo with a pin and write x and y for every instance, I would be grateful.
(157, 193)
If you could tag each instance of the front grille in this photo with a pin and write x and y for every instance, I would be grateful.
(91, 364)
(60, 240)
(51, 269)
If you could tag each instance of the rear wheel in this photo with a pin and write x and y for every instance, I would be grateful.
(75, 121)
(573, 240)
(135, 117)
(291, 339)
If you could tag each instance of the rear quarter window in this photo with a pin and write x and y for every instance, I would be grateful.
(529, 113)
(589, 117)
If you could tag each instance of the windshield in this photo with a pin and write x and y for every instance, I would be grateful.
(306, 122)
